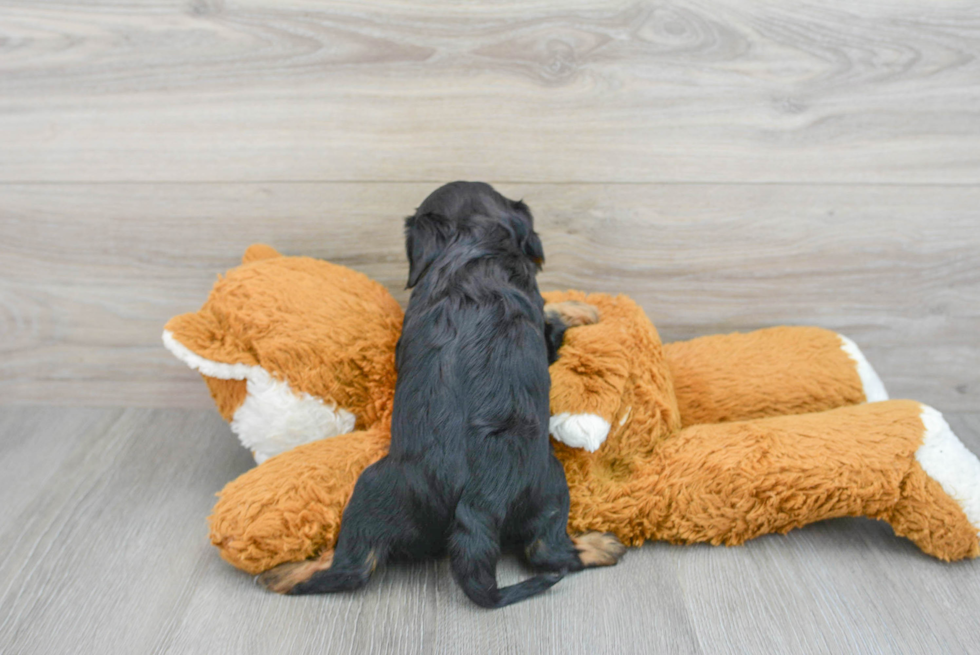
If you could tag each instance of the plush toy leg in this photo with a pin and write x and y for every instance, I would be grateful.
(896, 461)
(771, 372)
(727, 483)
(289, 508)
(943, 470)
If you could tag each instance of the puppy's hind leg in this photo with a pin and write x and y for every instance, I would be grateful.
(374, 520)
(281, 579)
(550, 547)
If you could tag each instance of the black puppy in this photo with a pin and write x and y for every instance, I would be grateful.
(470, 465)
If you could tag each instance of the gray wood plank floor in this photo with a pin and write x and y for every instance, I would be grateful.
(105, 550)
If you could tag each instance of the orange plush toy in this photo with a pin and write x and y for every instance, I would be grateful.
(719, 439)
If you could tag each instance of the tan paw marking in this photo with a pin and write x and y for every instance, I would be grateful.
(371, 561)
(573, 313)
(281, 579)
(598, 548)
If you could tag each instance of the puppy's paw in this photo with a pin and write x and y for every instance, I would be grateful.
(281, 579)
(573, 313)
(598, 548)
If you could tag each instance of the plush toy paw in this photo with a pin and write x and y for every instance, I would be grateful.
(598, 548)
(586, 431)
(947, 461)
(573, 313)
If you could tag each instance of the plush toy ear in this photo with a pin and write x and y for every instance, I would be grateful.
(195, 340)
(268, 416)
(259, 251)
(198, 340)
(426, 235)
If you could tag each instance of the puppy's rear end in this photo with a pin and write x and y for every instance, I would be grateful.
(470, 465)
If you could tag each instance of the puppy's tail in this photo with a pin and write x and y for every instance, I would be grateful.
(486, 594)
(474, 549)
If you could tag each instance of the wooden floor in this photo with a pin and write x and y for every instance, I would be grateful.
(105, 550)
(729, 164)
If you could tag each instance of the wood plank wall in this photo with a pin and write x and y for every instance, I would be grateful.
(729, 164)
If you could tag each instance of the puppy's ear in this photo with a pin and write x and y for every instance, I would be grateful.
(528, 239)
(426, 235)
(532, 248)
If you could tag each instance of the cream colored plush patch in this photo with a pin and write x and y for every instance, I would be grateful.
(874, 388)
(586, 431)
(947, 461)
(273, 418)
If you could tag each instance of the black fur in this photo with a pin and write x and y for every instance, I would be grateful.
(554, 334)
(470, 465)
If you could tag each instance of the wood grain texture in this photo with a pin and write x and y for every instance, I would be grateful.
(729, 164)
(105, 550)
(90, 273)
(543, 91)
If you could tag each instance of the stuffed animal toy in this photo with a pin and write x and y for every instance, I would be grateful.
(719, 439)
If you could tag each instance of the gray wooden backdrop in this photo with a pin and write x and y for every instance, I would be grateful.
(730, 165)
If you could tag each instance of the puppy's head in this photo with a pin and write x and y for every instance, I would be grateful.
(469, 215)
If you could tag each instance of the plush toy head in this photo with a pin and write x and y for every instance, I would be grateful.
(293, 349)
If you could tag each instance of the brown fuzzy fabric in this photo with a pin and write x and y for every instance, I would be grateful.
(716, 440)
(289, 508)
(615, 369)
(327, 330)
(799, 369)
(727, 483)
